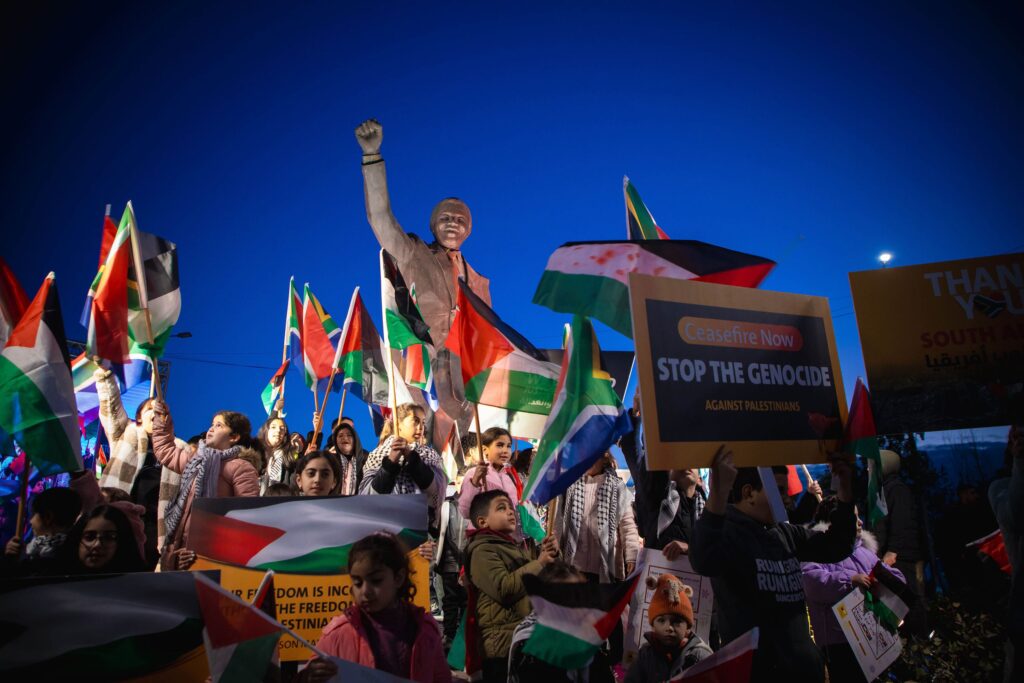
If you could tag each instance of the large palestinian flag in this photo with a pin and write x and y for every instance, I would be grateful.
(591, 278)
(105, 628)
(499, 366)
(574, 619)
(300, 535)
(37, 397)
(586, 419)
(360, 358)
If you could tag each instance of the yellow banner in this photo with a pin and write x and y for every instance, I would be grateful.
(306, 602)
(943, 342)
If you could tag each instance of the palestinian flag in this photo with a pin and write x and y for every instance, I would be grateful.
(860, 438)
(404, 328)
(272, 392)
(574, 619)
(13, 302)
(300, 535)
(586, 419)
(38, 406)
(640, 224)
(360, 357)
(889, 598)
(993, 547)
(499, 366)
(731, 662)
(241, 639)
(152, 284)
(320, 334)
(105, 628)
(592, 278)
(533, 525)
(106, 306)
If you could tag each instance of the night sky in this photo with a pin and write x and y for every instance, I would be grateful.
(814, 135)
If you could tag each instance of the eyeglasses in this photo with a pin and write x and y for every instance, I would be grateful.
(101, 536)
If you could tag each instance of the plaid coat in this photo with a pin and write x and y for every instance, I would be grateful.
(128, 446)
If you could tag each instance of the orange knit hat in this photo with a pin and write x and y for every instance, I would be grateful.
(671, 596)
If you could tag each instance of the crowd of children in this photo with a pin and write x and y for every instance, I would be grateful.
(765, 574)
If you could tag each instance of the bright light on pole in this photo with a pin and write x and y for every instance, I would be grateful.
(885, 257)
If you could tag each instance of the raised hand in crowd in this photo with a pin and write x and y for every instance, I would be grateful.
(399, 447)
(723, 474)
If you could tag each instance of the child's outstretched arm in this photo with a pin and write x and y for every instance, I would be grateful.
(113, 417)
(164, 447)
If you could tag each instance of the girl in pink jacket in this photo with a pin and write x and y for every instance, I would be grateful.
(493, 472)
(212, 470)
(382, 629)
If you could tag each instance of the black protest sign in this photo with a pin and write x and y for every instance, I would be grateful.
(717, 364)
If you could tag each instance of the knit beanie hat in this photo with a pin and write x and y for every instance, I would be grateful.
(671, 596)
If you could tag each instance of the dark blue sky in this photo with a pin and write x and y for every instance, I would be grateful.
(814, 135)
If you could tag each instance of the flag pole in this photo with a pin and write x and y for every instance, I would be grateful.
(807, 473)
(287, 329)
(18, 528)
(341, 409)
(549, 526)
(323, 406)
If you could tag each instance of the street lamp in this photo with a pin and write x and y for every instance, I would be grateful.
(885, 257)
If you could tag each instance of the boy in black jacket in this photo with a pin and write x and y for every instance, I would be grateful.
(754, 565)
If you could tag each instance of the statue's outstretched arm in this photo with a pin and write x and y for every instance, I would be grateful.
(385, 226)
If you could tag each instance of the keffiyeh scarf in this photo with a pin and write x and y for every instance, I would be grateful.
(607, 504)
(201, 472)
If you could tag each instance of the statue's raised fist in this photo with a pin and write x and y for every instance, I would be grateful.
(370, 134)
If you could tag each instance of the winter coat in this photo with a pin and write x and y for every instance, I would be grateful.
(652, 664)
(345, 637)
(827, 584)
(755, 573)
(129, 445)
(900, 530)
(494, 479)
(238, 477)
(495, 566)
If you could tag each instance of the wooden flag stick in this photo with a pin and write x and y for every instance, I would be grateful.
(320, 411)
(807, 473)
(480, 444)
(18, 527)
(549, 526)
(155, 386)
(341, 408)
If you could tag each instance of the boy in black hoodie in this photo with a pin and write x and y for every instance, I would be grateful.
(754, 565)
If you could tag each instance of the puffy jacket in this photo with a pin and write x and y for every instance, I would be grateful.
(827, 584)
(345, 637)
(495, 565)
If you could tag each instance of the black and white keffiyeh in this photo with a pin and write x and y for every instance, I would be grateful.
(607, 504)
(202, 470)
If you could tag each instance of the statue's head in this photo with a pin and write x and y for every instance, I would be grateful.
(451, 222)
